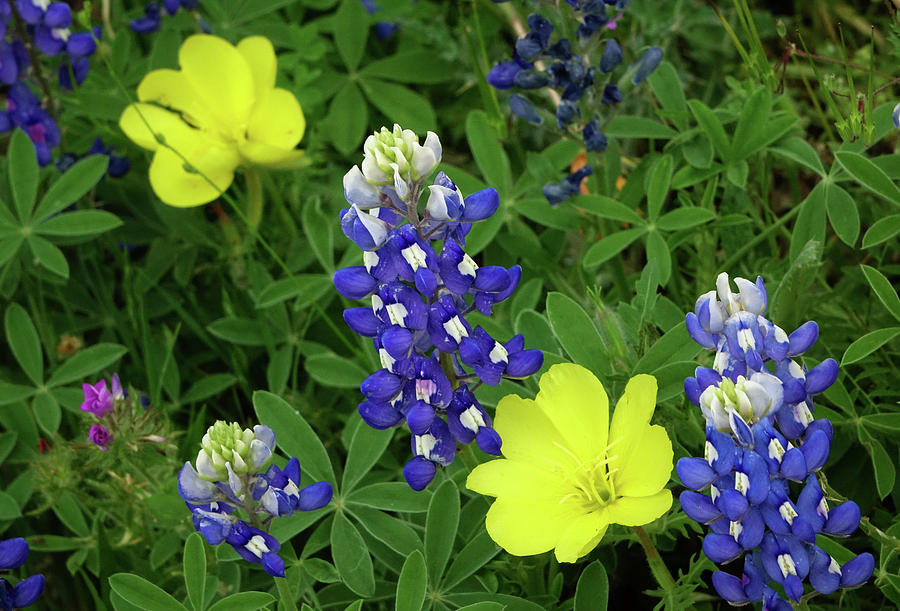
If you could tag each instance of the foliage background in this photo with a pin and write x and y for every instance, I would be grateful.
(727, 165)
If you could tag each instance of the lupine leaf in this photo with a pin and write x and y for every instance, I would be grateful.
(658, 251)
(610, 246)
(80, 222)
(867, 344)
(401, 104)
(48, 255)
(86, 362)
(477, 552)
(754, 114)
(243, 601)
(391, 496)
(489, 155)
(140, 592)
(348, 115)
(883, 289)
(576, 333)
(71, 186)
(710, 124)
(881, 230)
(440, 529)
(625, 126)
(411, 584)
(23, 173)
(592, 591)
(329, 369)
(366, 447)
(194, 564)
(351, 557)
(351, 29)
(293, 435)
(22, 338)
(869, 175)
(658, 187)
(842, 213)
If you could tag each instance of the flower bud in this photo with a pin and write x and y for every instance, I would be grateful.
(228, 450)
(396, 157)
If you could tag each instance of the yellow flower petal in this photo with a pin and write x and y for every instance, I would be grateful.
(523, 529)
(576, 402)
(511, 479)
(177, 187)
(277, 120)
(221, 79)
(257, 153)
(581, 536)
(260, 56)
(170, 88)
(630, 419)
(639, 510)
(648, 470)
(141, 123)
(529, 436)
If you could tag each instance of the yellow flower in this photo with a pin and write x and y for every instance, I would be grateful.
(567, 473)
(220, 111)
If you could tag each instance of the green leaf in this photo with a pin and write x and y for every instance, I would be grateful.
(869, 175)
(795, 282)
(321, 570)
(308, 288)
(80, 222)
(23, 173)
(576, 333)
(86, 362)
(834, 549)
(46, 412)
(658, 187)
(70, 514)
(143, 594)
(9, 508)
(391, 496)
(365, 448)
(684, 218)
(22, 338)
(881, 230)
(394, 533)
(411, 584)
(243, 601)
(885, 472)
(9, 247)
(800, 151)
(886, 293)
(348, 115)
(669, 91)
(208, 386)
(78, 180)
(754, 114)
(194, 563)
(646, 290)
(416, 66)
(867, 344)
(608, 208)
(673, 347)
(7, 443)
(842, 213)
(317, 227)
(537, 329)
(889, 422)
(698, 150)
(625, 126)
(401, 105)
(294, 436)
(351, 29)
(351, 557)
(736, 172)
(440, 529)
(488, 153)
(810, 223)
(472, 557)
(48, 255)
(237, 330)
(710, 124)
(658, 251)
(335, 371)
(610, 246)
(592, 591)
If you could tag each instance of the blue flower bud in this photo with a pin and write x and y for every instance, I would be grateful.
(647, 64)
(793, 466)
(699, 507)
(857, 571)
(419, 472)
(803, 338)
(379, 415)
(13, 553)
(824, 572)
(315, 496)
(381, 386)
(27, 591)
(611, 94)
(502, 75)
(815, 450)
(362, 320)
(612, 56)
(721, 548)
(821, 376)
(594, 140)
(523, 109)
(694, 472)
(354, 282)
(843, 519)
(481, 205)
(530, 79)
(58, 15)
(419, 417)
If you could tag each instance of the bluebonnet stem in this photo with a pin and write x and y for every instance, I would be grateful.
(582, 83)
(432, 358)
(761, 435)
(234, 492)
(13, 554)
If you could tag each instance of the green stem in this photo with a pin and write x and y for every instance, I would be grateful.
(657, 566)
(254, 196)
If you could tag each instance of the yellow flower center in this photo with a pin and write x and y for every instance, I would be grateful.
(593, 483)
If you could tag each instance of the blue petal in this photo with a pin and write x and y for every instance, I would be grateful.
(419, 472)
(793, 465)
(729, 587)
(857, 571)
(721, 548)
(488, 441)
(695, 473)
(733, 504)
(821, 376)
(192, 488)
(523, 364)
(480, 205)
(13, 553)
(362, 320)
(816, 449)
(419, 417)
(381, 386)
(803, 338)
(695, 330)
(698, 507)
(27, 591)
(843, 519)
(379, 415)
(354, 282)
(315, 496)
(273, 564)
(820, 578)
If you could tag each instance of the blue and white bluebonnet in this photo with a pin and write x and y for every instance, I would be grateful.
(234, 492)
(152, 18)
(47, 27)
(13, 554)
(431, 356)
(761, 435)
(582, 83)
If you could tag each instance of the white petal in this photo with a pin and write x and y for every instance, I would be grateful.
(359, 191)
